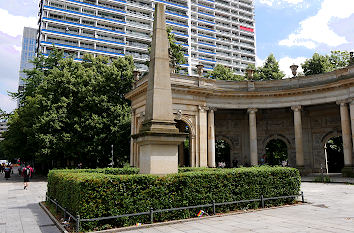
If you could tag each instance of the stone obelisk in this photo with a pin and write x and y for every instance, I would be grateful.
(159, 138)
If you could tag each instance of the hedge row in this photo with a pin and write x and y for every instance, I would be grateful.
(92, 193)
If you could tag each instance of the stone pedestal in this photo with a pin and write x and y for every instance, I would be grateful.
(158, 152)
(304, 170)
(348, 171)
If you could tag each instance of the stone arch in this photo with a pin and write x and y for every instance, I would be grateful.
(276, 136)
(291, 157)
(329, 135)
(188, 121)
(228, 141)
(335, 159)
(188, 160)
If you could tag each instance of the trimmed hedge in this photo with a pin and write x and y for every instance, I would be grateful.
(96, 192)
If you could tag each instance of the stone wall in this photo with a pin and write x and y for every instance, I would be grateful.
(319, 123)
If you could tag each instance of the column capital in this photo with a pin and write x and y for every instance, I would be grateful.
(203, 108)
(296, 108)
(351, 101)
(252, 110)
(212, 109)
(343, 102)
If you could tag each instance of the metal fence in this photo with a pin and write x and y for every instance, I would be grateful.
(151, 212)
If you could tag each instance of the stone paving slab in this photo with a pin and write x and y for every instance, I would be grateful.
(330, 208)
(19, 208)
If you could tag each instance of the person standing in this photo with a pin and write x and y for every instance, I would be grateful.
(7, 170)
(26, 173)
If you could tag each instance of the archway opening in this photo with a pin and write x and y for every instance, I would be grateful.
(335, 156)
(222, 153)
(276, 153)
(184, 147)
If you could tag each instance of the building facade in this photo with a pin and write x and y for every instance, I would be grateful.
(210, 31)
(3, 128)
(28, 51)
(303, 112)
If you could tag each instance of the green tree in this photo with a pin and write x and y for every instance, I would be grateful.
(175, 52)
(339, 59)
(222, 72)
(276, 152)
(73, 111)
(270, 70)
(319, 64)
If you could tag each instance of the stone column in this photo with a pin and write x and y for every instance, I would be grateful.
(132, 131)
(253, 136)
(192, 153)
(347, 139)
(203, 137)
(351, 107)
(298, 136)
(211, 139)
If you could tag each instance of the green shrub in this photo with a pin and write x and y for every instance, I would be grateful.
(94, 193)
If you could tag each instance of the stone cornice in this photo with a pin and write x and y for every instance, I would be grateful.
(340, 79)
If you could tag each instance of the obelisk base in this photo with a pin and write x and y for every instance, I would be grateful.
(158, 152)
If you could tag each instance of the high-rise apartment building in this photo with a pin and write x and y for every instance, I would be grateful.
(28, 51)
(3, 128)
(210, 31)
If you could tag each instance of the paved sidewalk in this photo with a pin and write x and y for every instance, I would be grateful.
(330, 209)
(19, 209)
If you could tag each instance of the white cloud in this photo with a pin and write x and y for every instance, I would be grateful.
(286, 62)
(13, 25)
(259, 61)
(315, 31)
(7, 103)
(17, 48)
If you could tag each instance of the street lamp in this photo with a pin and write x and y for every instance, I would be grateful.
(136, 74)
(200, 67)
(112, 155)
(250, 73)
(294, 69)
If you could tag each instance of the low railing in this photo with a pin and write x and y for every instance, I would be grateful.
(151, 212)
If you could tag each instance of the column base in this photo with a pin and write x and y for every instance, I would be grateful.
(158, 152)
(348, 171)
(304, 170)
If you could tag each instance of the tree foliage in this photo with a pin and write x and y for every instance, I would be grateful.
(276, 152)
(175, 52)
(269, 71)
(319, 64)
(222, 72)
(73, 111)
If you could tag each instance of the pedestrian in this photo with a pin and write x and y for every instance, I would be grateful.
(26, 173)
(7, 172)
(2, 166)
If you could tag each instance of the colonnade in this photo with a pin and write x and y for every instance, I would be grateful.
(203, 143)
(347, 125)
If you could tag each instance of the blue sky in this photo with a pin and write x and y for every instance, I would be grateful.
(290, 29)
